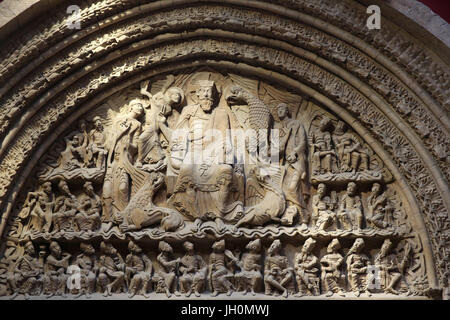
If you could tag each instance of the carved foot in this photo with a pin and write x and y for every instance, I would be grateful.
(215, 293)
(220, 225)
(390, 290)
(196, 293)
(157, 232)
(196, 225)
(303, 227)
(144, 294)
(126, 227)
(285, 294)
(14, 296)
(106, 226)
(107, 291)
(188, 294)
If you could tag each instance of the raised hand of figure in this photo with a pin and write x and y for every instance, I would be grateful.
(161, 119)
(292, 157)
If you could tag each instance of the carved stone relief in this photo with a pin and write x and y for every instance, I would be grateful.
(97, 127)
(361, 108)
(294, 202)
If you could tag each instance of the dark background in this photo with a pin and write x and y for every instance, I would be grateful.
(441, 7)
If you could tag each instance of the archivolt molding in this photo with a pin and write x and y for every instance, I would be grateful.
(345, 14)
(76, 94)
(108, 53)
(397, 93)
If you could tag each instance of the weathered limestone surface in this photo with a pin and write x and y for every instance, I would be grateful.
(193, 149)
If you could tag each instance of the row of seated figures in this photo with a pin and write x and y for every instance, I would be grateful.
(348, 213)
(111, 169)
(63, 212)
(129, 173)
(311, 271)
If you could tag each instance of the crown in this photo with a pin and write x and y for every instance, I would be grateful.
(206, 83)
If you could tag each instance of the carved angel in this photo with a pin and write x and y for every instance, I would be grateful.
(158, 106)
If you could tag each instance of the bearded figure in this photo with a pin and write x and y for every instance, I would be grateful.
(200, 153)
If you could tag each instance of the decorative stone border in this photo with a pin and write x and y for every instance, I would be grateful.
(412, 167)
(198, 48)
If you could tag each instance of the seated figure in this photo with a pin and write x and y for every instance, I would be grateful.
(332, 276)
(166, 277)
(138, 270)
(193, 271)
(25, 277)
(55, 272)
(219, 274)
(87, 262)
(323, 215)
(350, 213)
(88, 217)
(111, 277)
(278, 275)
(306, 269)
(250, 276)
